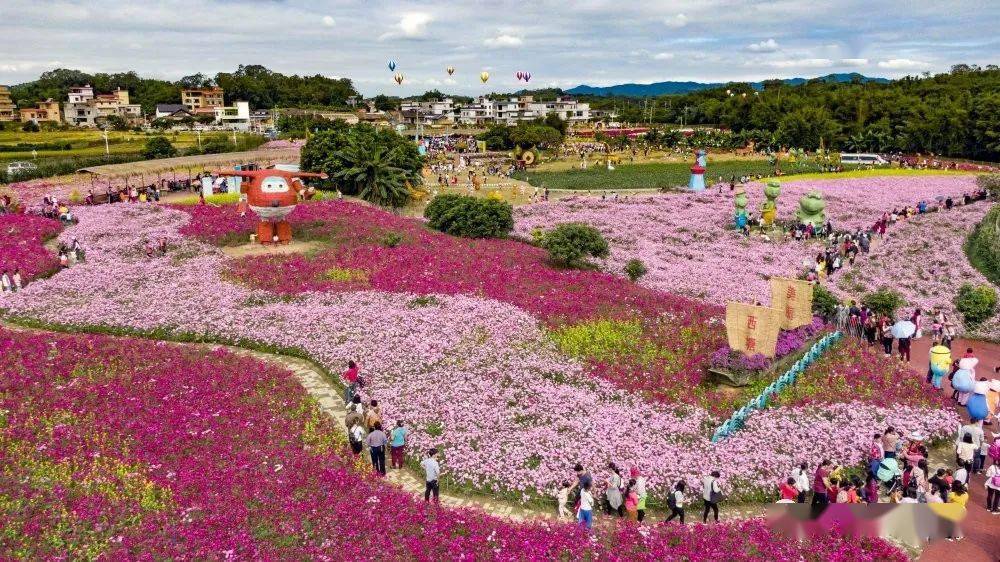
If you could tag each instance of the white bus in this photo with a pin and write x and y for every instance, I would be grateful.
(864, 159)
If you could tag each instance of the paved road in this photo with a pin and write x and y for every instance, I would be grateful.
(982, 530)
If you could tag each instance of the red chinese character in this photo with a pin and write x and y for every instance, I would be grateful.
(751, 344)
(751, 322)
(790, 293)
(789, 312)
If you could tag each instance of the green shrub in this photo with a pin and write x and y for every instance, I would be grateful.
(569, 244)
(983, 245)
(470, 217)
(883, 301)
(976, 303)
(159, 147)
(392, 239)
(824, 302)
(635, 269)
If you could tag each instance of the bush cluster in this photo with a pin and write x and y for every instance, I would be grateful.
(569, 244)
(470, 217)
(884, 301)
(977, 303)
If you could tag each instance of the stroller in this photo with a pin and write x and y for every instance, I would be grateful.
(889, 474)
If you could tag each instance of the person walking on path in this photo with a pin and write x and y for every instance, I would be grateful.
(585, 515)
(376, 442)
(712, 494)
(398, 445)
(676, 502)
(993, 489)
(640, 491)
(613, 491)
(351, 376)
(432, 471)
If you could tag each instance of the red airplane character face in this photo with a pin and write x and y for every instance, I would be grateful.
(271, 191)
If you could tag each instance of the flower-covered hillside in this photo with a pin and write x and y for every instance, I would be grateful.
(120, 448)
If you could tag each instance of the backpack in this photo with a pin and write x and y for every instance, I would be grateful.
(875, 453)
(672, 501)
(995, 450)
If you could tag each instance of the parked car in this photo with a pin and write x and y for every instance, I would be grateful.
(15, 169)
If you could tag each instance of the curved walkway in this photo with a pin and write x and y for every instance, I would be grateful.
(982, 530)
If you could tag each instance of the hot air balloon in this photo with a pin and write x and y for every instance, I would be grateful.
(527, 76)
(484, 76)
(392, 65)
(451, 70)
(519, 75)
(398, 78)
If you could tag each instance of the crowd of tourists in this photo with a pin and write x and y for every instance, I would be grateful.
(898, 470)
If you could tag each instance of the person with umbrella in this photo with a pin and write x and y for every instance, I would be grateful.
(903, 330)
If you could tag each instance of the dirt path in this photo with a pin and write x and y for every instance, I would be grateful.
(982, 530)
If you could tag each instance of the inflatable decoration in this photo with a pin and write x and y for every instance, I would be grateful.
(740, 202)
(969, 364)
(940, 363)
(769, 210)
(812, 209)
(697, 182)
(273, 194)
(977, 406)
(963, 380)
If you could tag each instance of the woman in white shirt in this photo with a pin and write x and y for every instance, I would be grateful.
(993, 489)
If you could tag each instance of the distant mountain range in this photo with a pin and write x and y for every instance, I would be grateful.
(666, 88)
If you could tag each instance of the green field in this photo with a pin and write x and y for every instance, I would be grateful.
(82, 142)
(652, 176)
(57, 152)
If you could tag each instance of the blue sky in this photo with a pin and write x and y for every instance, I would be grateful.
(561, 43)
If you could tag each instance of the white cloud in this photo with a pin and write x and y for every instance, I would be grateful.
(800, 63)
(854, 62)
(903, 64)
(676, 22)
(329, 21)
(767, 46)
(663, 56)
(504, 40)
(411, 25)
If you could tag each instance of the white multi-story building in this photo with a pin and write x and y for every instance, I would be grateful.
(445, 107)
(236, 117)
(85, 108)
(524, 108)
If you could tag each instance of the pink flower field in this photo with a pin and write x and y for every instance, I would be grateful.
(476, 376)
(688, 243)
(922, 259)
(22, 240)
(125, 449)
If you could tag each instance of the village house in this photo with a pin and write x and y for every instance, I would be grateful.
(6, 105)
(46, 111)
(85, 108)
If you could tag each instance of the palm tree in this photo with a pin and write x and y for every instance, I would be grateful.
(376, 172)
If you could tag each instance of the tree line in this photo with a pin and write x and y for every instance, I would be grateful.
(953, 114)
(263, 88)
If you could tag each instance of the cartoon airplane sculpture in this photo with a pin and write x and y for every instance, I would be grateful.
(273, 194)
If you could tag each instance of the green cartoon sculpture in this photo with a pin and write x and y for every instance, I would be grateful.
(740, 202)
(812, 209)
(770, 208)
